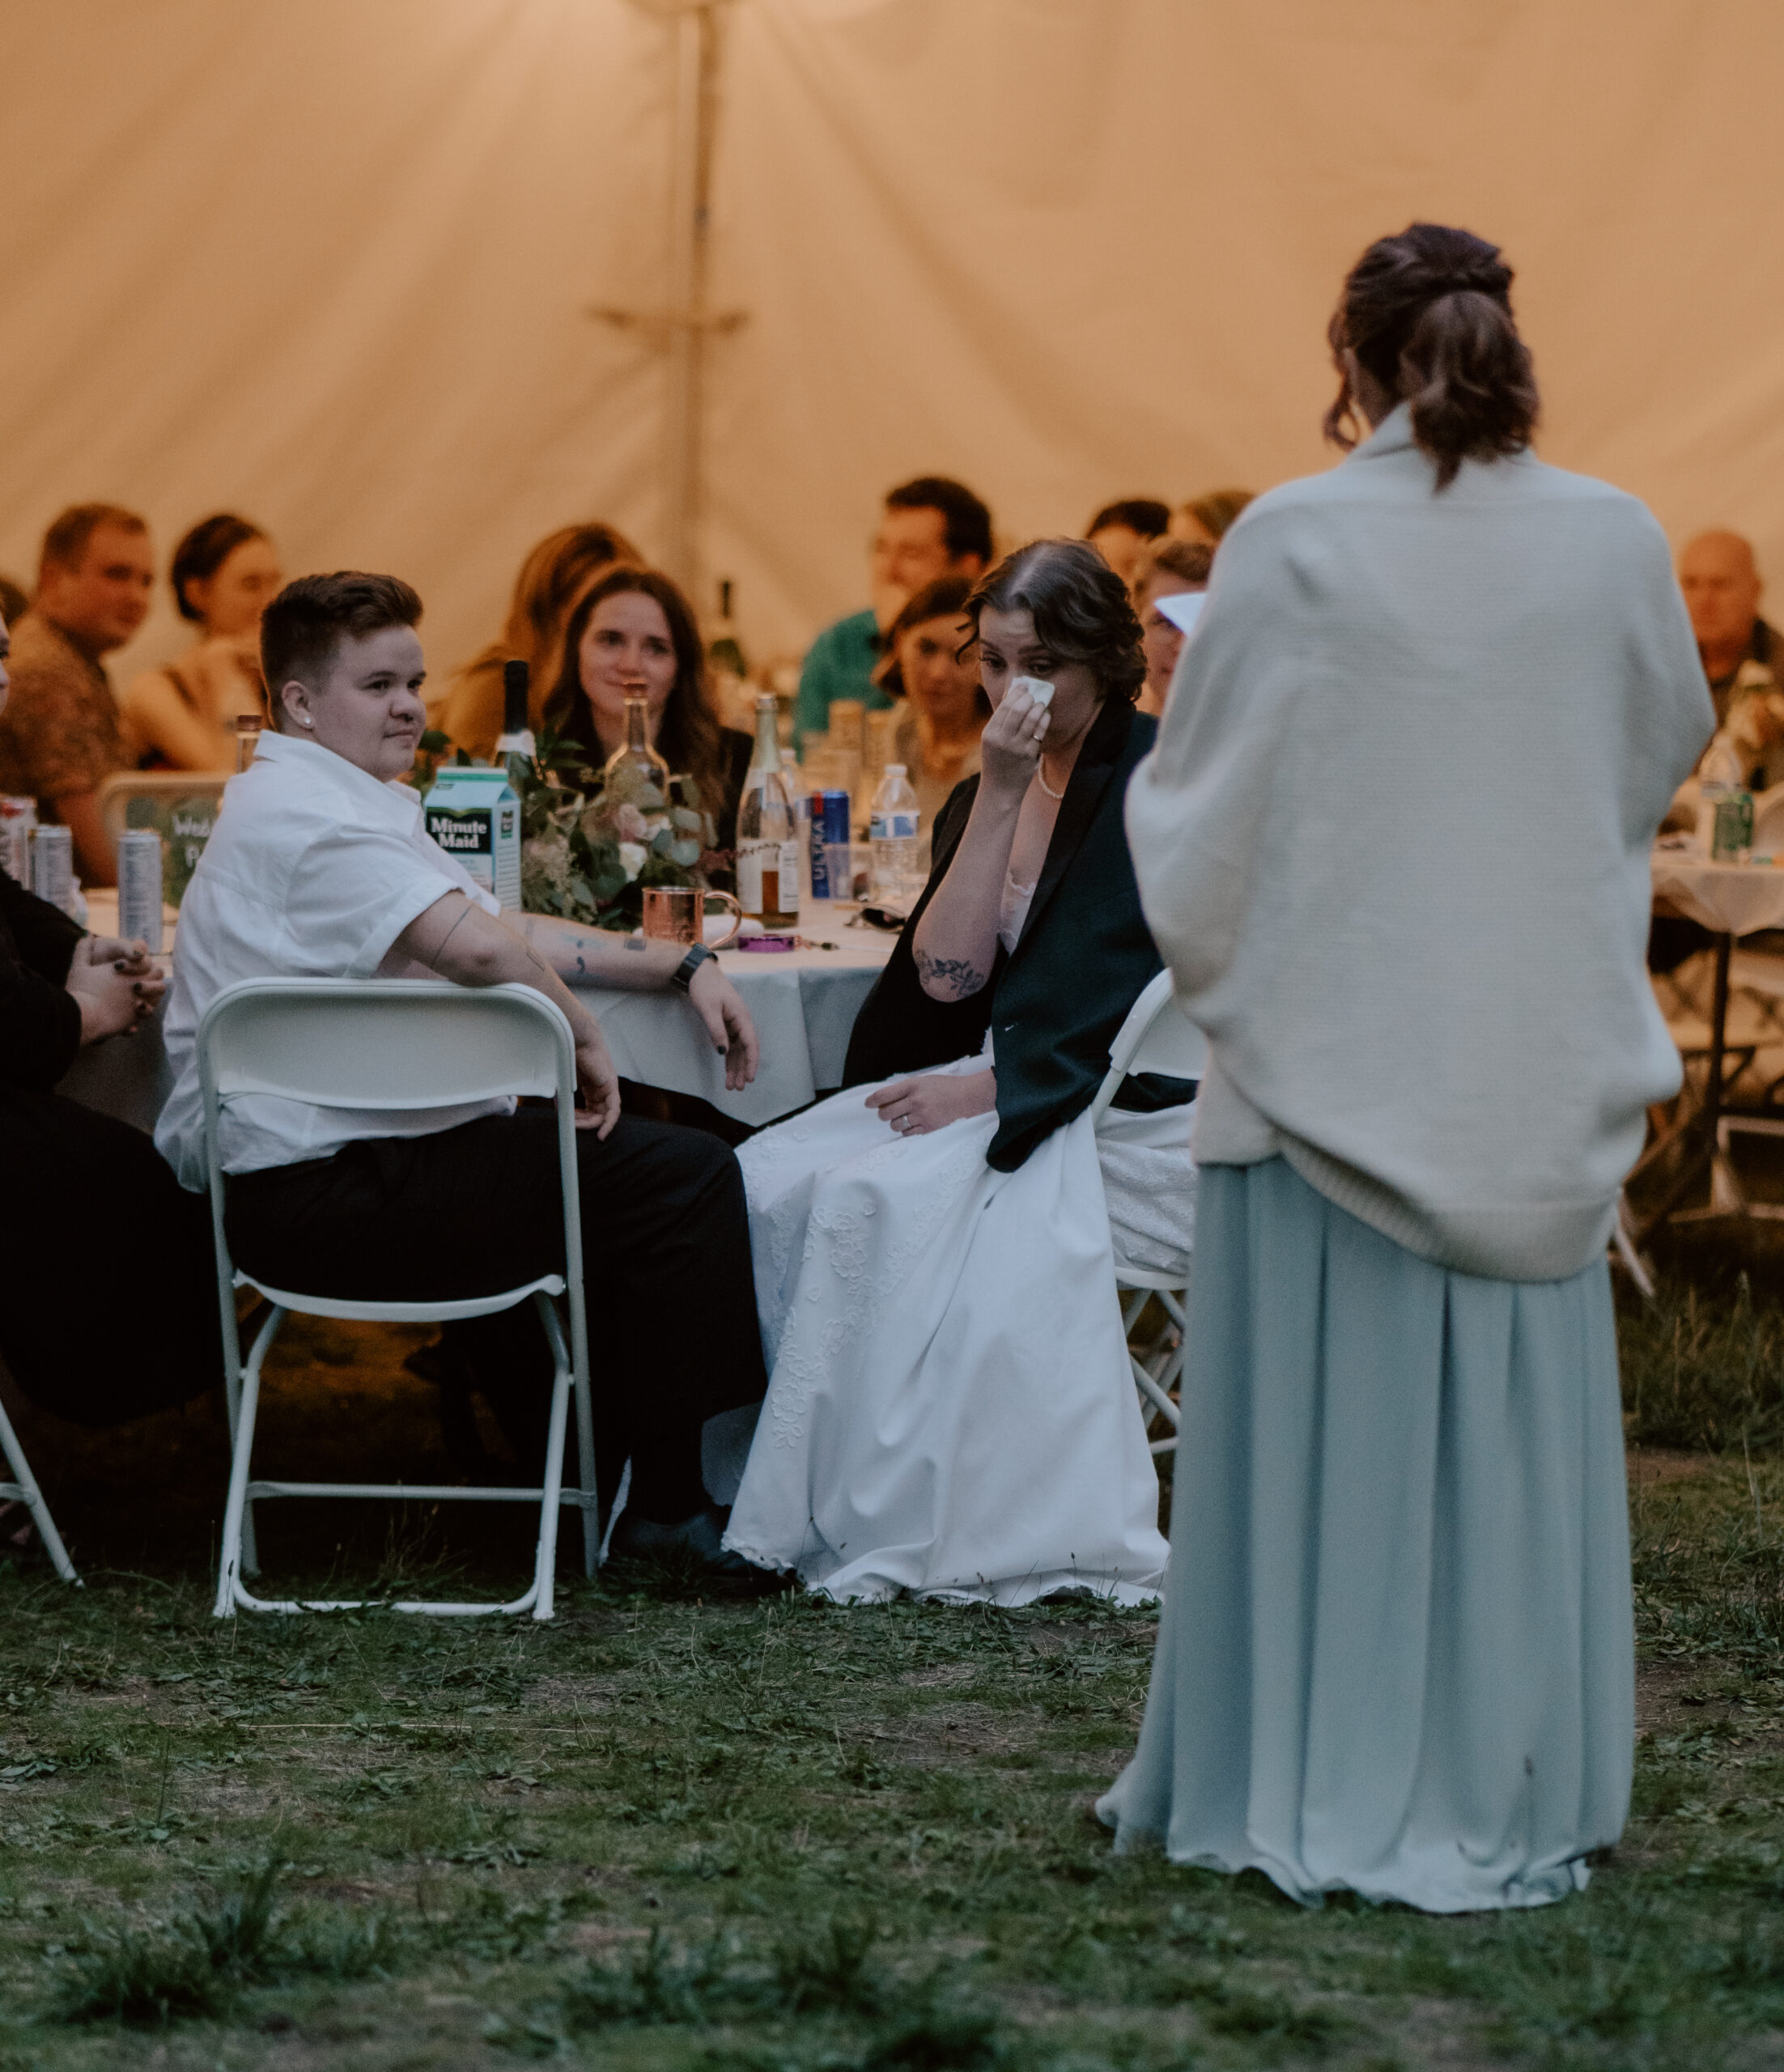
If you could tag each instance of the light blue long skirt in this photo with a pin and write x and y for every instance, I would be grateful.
(1396, 1654)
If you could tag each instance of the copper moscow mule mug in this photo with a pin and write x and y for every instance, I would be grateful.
(677, 913)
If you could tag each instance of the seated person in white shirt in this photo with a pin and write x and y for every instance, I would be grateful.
(320, 867)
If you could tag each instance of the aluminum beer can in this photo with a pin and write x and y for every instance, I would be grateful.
(139, 887)
(53, 866)
(834, 814)
(18, 817)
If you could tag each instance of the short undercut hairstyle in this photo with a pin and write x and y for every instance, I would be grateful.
(305, 624)
(966, 523)
(1081, 609)
(65, 544)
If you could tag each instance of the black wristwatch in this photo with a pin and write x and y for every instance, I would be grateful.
(682, 975)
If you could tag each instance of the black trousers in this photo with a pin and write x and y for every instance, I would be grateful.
(672, 1338)
(108, 1280)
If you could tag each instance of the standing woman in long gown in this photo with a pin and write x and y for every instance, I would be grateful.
(1393, 844)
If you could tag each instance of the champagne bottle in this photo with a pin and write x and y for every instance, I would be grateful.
(516, 750)
(768, 830)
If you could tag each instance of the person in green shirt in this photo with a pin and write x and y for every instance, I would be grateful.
(931, 527)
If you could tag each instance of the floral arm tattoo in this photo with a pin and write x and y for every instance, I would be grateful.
(957, 975)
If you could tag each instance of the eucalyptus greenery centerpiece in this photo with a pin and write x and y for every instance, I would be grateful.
(590, 841)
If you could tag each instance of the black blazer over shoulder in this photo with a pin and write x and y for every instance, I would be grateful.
(1083, 958)
(40, 1022)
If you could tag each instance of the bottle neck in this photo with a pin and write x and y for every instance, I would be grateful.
(638, 723)
(767, 754)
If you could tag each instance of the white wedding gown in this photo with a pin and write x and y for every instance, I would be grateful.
(950, 1407)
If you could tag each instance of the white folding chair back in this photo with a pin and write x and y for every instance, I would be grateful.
(23, 1490)
(395, 1044)
(1157, 1037)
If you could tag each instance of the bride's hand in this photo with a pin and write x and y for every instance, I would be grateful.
(915, 1107)
(1011, 744)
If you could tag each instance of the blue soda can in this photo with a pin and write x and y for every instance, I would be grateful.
(829, 811)
(835, 815)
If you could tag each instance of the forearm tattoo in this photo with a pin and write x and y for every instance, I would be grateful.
(957, 976)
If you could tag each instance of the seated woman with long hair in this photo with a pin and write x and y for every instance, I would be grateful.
(182, 715)
(950, 1409)
(552, 578)
(931, 668)
(634, 633)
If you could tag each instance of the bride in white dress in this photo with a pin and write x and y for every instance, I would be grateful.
(949, 1409)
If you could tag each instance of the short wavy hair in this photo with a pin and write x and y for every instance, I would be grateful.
(1080, 607)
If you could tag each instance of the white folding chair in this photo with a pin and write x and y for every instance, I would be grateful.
(1157, 1036)
(24, 1490)
(396, 1043)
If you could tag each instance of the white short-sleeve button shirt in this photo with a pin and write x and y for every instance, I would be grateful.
(313, 871)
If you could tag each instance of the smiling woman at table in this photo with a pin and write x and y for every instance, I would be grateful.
(319, 868)
(634, 635)
(107, 1296)
(950, 1408)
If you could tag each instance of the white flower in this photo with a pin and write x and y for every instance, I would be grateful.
(631, 858)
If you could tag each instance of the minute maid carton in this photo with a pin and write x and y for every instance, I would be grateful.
(475, 818)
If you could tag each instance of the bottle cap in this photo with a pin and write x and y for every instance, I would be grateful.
(894, 769)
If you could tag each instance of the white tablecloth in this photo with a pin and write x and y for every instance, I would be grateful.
(804, 1003)
(1730, 898)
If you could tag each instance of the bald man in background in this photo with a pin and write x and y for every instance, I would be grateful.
(1742, 656)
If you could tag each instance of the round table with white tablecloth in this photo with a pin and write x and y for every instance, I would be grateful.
(804, 1003)
(1730, 900)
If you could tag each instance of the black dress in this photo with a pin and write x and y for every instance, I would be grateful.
(1084, 957)
(107, 1291)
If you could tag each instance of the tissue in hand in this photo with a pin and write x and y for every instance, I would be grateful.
(1037, 688)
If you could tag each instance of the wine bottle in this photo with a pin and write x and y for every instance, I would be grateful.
(768, 829)
(516, 750)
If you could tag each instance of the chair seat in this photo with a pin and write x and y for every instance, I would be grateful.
(401, 1312)
(1129, 1275)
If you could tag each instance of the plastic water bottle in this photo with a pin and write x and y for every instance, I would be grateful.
(897, 846)
(1725, 807)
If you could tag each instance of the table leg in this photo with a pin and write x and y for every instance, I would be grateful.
(1704, 1123)
(1719, 1037)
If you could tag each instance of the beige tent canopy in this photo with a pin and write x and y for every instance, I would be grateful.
(338, 263)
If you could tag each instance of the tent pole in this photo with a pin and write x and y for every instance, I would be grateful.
(695, 31)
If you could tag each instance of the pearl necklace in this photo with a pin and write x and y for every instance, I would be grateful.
(1040, 778)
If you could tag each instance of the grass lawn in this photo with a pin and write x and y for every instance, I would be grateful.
(662, 1834)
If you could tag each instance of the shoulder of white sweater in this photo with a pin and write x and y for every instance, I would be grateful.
(1403, 473)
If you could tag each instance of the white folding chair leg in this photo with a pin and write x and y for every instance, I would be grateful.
(585, 1433)
(236, 1524)
(1626, 1251)
(22, 1489)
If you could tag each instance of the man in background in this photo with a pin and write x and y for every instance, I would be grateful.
(1742, 656)
(1121, 532)
(932, 526)
(59, 735)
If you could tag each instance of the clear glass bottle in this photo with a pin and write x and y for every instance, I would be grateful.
(634, 769)
(768, 829)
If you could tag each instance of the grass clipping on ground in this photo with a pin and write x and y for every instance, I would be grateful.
(658, 1834)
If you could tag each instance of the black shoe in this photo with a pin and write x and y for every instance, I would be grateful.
(695, 1549)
